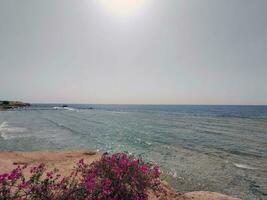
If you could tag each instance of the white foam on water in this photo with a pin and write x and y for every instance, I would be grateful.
(65, 108)
(69, 108)
(172, 173)
(243, 166)
(148, 143)
(7, 132)
(57, 107)
(3, 125)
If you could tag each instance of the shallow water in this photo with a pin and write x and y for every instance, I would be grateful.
(216, 148)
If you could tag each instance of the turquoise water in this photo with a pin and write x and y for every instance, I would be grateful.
(216, 148)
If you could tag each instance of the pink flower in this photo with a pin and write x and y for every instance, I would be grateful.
(113, 177)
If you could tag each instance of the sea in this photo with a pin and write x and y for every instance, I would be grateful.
(198, 147)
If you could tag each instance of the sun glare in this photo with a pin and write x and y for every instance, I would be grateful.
(123, 7)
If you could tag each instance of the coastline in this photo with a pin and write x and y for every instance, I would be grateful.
(7, 105)
(65, 160)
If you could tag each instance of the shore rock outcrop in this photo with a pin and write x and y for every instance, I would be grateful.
(5, 105)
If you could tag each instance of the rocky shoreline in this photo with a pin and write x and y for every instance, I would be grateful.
(64, 161)
(6, 105)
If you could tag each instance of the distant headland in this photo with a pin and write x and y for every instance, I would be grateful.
(5, 105)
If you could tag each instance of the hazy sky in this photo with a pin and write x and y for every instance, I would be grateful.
(155, 51)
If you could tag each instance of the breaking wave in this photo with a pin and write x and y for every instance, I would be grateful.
(7, 132)
(243, 166)
(65, 108)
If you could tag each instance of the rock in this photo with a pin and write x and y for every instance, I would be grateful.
(20, 163)
(5, 105)
(89, 153)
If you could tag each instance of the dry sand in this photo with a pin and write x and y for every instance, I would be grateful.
(65, 160)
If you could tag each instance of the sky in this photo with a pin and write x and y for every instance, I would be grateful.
(134, 51)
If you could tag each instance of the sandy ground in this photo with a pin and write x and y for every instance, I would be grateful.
(65, 160)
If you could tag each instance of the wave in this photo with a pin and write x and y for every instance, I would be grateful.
(65, 108)
(71, 109)
(143, 142)
(172, 172)
(7, 132)
(243, 166)
(61, 126)
(3, 125)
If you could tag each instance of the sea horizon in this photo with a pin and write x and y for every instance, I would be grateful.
(152, 104)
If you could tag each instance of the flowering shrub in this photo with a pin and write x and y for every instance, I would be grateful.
(113, 177)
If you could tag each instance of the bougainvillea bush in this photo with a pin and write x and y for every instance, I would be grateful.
(115, 177)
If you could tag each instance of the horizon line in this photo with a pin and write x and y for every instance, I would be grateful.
(154, 104)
